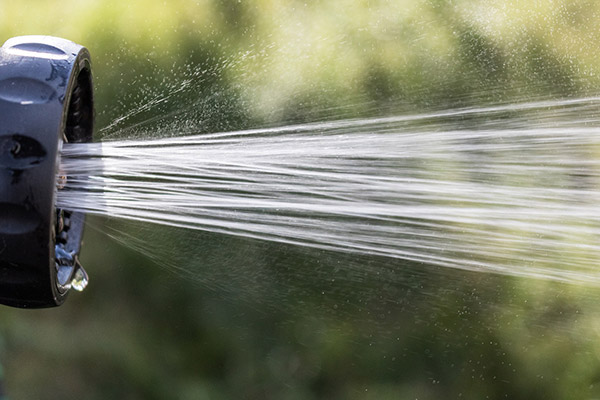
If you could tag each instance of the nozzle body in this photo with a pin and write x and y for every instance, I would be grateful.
(45, 99)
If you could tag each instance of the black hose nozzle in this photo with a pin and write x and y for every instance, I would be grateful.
(46, 99)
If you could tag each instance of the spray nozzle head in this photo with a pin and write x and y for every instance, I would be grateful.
(46, 99)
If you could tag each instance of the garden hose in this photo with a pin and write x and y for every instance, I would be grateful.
(46, 99)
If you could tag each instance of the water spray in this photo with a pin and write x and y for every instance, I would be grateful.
(507, 189)
(46, 99)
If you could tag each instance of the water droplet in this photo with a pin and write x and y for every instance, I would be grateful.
(80, 279)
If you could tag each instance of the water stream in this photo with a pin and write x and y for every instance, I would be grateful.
(511, 189)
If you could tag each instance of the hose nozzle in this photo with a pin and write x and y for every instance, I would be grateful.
(46, 99)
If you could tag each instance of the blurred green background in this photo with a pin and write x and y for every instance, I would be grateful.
(186, 315)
